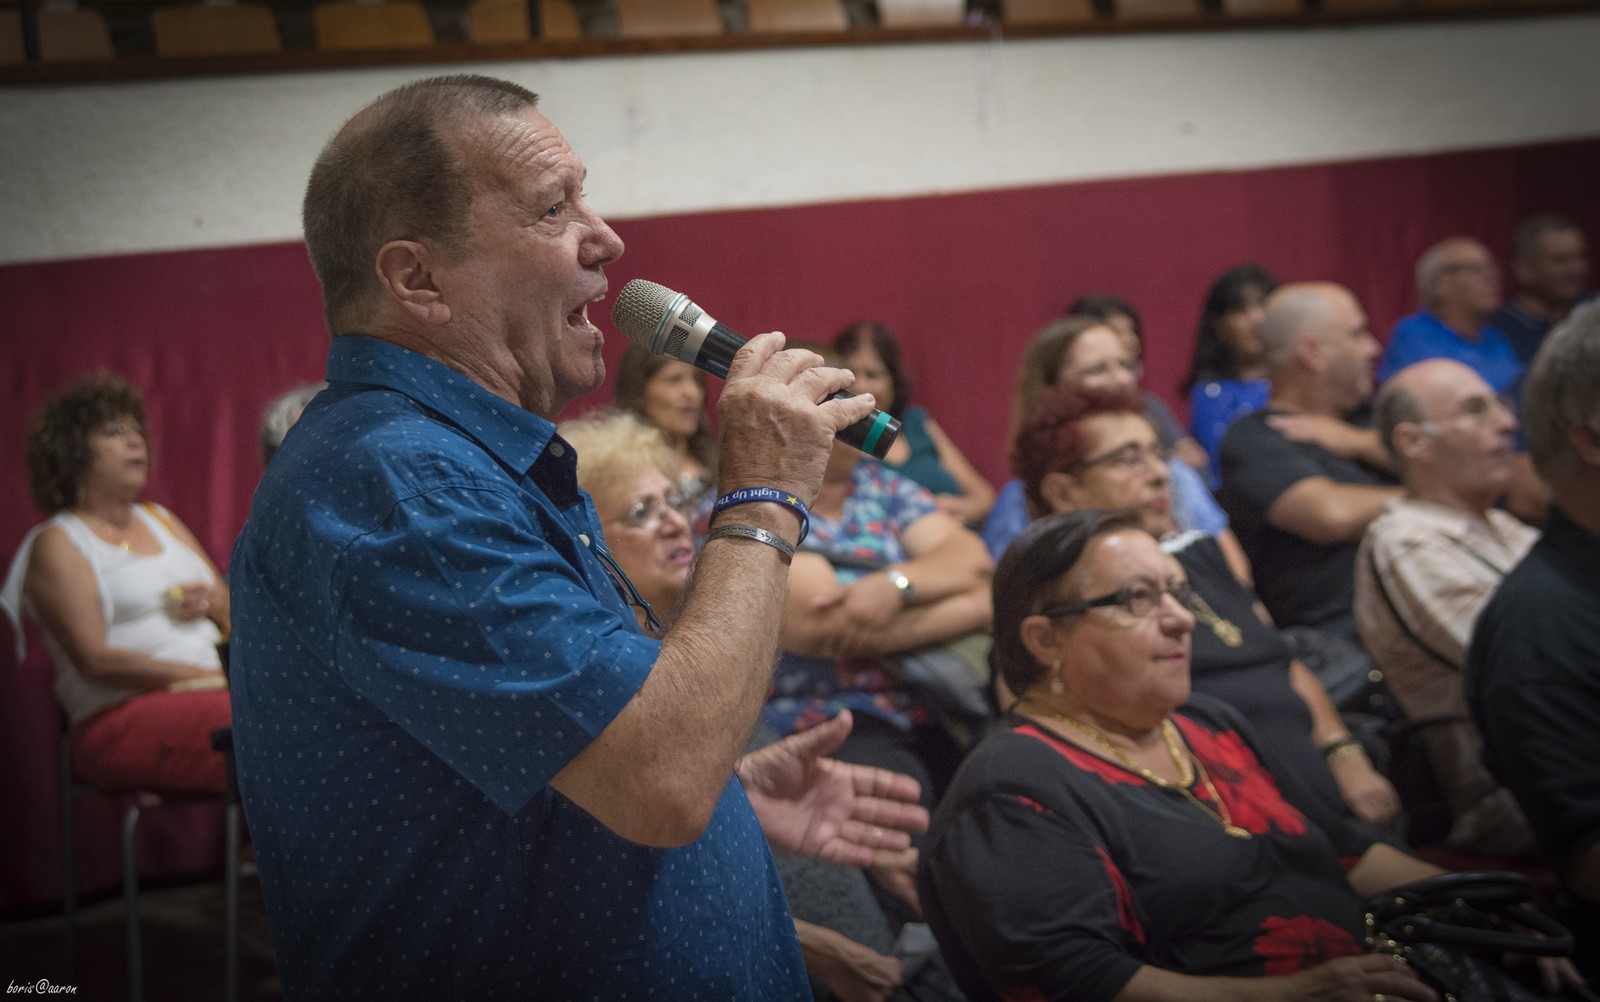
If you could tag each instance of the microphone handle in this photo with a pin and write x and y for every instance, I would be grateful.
(873, 434)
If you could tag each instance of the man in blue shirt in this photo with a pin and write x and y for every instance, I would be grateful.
(467, 773)
(1550, 259)
(1459, 284)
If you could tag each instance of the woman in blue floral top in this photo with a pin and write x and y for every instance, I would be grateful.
(883, 571)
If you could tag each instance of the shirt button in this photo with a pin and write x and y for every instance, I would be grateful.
(556, 450)
(583, 538)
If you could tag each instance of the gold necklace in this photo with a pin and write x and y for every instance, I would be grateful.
(1225, 630)
(1184, 760)
(109, 527)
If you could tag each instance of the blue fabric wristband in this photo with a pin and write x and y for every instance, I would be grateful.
(748, 495)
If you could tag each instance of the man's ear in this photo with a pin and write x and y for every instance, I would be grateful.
(405, 271)
(1585, 442)
(1308, 352)
(1410, 440)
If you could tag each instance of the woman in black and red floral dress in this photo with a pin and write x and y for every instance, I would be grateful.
(1106, 845)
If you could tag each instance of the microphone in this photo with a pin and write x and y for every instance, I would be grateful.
(668, 323)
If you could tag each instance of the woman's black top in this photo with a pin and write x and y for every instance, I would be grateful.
(1052, 873)
(1251, 675)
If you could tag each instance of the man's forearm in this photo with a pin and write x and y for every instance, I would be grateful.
(656, 771)
(1322, 511)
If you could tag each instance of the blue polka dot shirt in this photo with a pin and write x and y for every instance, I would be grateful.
(422, 638)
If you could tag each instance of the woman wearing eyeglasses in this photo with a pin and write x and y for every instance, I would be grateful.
(132, 608)
(1106, 844)
(1096, 449)
(1086, 353)
(624, 464)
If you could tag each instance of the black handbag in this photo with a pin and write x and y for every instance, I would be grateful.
(1453, 929)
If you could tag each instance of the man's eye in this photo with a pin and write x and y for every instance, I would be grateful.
(554, 210)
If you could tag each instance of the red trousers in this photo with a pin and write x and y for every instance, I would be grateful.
(157, 741)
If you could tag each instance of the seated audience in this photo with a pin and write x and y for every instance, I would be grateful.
(1086, 352)
(1120, 316)
(672, 396)
(1104, 843)
(626, 467)
(1095, 449)
(1301, 507)
(1533, 669)
(1550, 261)
(281, 414)
(1227, 376)
(132, 608)
(1427, 566)
(1458, 283)
(1118, 839)
(882, 572)
(923, 451)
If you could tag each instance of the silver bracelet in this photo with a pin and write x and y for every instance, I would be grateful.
(760, 535)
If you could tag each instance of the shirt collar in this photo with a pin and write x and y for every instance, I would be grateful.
(512, 435)
(1452, 522)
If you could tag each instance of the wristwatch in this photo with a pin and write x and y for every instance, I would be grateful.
(902, 584)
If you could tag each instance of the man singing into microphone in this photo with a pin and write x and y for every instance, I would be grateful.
(467, 773)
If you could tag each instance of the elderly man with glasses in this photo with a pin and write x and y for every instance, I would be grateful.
(1427, 567)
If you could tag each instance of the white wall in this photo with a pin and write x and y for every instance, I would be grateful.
(90, 169)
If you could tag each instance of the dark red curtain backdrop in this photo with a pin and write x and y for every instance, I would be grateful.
(966, 279)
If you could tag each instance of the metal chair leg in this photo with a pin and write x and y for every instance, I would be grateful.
(69, 862)
(130, 895)
(231, 879)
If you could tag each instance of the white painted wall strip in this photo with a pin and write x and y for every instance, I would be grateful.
(88, 169)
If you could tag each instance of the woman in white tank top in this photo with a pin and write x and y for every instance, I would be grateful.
(132, 609)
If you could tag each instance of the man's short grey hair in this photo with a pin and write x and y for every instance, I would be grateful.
(1525, 240)
(1394, 406)
(280, 414)
(1430, 266)
(1563, 389)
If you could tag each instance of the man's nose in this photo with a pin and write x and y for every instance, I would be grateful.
(602, 246)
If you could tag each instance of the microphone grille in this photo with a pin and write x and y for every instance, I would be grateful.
(639, 309)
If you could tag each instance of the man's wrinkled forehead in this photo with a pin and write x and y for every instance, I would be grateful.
(511, 145)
